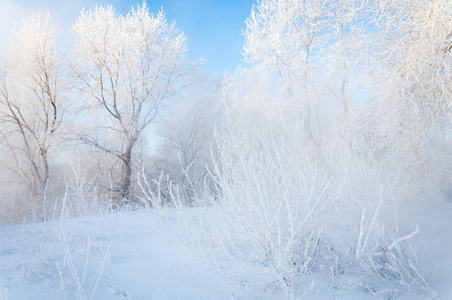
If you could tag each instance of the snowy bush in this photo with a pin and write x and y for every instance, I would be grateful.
(79, 256)
(366, 232)
(273, 189)
(80, 191)
(299, 208)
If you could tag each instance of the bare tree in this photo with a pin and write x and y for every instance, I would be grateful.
(311, 45)
(31, 100)
(289, 36)
(414, 52)
(127, 66)
(345, 49)
(187, 136)
(412, 76)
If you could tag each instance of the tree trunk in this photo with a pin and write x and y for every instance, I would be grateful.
(127, 170)
(45, 164)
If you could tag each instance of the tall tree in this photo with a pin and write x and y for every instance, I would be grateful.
(127, 66)
(31, 100)
(411, 74)
(289, 37)
(307, 43)
(414, 56)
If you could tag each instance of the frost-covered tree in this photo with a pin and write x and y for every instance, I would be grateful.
(188, 136)
(289, 37)
(412, 75)
(32, 101)
(127, 67)
(414, 52)
(345, 49)
(285, 35)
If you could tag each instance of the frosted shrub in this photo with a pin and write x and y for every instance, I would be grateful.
(273, 190)
(299, 207)
(366, 234)
(83, 197)
(389, 264)
(79, 255)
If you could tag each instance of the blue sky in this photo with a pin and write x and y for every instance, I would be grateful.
(212, 27)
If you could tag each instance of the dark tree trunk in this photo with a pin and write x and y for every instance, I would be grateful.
(45, 164)
(127, 171)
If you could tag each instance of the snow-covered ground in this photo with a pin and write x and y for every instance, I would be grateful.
(434, 243)
(140, 255)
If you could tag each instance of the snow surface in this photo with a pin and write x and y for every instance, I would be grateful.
(139, 255)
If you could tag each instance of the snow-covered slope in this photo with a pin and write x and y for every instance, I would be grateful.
(140, 260)
(139, 255)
